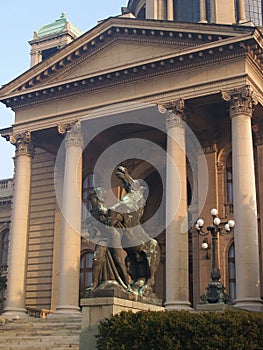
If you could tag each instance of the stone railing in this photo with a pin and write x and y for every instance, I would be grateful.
(6, 188)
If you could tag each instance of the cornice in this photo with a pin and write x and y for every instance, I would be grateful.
(184, 59)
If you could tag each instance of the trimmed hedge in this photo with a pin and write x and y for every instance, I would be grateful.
(181, 330)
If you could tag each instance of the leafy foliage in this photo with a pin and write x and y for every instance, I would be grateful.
(181, 330)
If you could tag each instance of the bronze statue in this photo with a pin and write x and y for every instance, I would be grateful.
(125, 253)
(108, 260)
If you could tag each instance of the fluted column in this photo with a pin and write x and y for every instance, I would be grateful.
(68, 293)
(241, 11)
(17, 262)
(177, 273)
(244, 199)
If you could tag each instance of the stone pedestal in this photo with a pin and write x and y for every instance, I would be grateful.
(95, 310)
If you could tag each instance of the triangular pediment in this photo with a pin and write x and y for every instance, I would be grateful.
(116, 55)
(116, 45)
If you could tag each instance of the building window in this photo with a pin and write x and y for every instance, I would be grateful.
(254, 11)
(229, 184)
(232, 272)
(4, 245)
(85, 272)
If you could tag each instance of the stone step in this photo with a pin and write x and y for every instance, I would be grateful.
(40, 334)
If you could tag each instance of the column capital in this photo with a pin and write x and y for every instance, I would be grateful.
(176, 111)
(241, 100)
(64, 127)
(23, 143)
(72, 132)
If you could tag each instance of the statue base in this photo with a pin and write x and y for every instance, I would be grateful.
(96, 309)
(114, 289)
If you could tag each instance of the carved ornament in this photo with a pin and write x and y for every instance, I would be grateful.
(241, 100)
(23, 143)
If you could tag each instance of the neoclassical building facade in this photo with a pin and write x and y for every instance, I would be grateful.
(180, 105)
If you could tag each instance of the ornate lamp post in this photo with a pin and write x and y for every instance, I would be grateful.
(215, 290)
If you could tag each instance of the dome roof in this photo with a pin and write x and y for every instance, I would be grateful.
(57, 27)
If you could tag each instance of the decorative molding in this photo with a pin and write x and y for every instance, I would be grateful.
(241, 100)
(23, 143)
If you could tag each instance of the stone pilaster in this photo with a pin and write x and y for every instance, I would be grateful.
(241, 103)
(16, 285)
(170, 10)
(68, 293)
(177, 273)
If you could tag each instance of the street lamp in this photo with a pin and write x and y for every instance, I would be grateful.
(215, 290)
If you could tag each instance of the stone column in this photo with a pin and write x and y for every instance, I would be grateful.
(17, 262)
(241, 11)
(177, 274)
(68, 292)
(170, 10)
(244, 199)
(203, 18)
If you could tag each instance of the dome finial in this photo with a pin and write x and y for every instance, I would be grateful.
(63, 15)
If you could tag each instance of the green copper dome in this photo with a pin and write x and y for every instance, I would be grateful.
(57, 27)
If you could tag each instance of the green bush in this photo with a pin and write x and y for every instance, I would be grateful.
(181, 330)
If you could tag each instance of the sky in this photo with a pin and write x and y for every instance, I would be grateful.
(18, 21)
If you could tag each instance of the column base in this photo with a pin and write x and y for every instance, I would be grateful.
(177, 305)
(65, 311)
(249, 304)
(14, 313)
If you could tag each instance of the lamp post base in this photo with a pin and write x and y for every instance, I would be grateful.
(215, 294)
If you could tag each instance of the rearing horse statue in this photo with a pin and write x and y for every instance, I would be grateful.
(143, 252)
